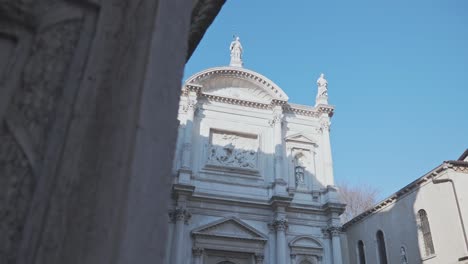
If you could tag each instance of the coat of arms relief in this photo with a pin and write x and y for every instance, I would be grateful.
(232, 150)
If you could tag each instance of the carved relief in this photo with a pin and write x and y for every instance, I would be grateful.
(232, 150)
(16, 187)
(43, 77)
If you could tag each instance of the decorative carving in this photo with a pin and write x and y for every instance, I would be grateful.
(189, 106)
(197, 252)
(277, 118)
(280, 224)
(293, 256)
(324, 126)
(334, 230)
(43, 77)
(180, 214)
(231, 150)
(259, 259)
(17, 184)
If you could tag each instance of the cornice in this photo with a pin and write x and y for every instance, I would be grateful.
(256, 78)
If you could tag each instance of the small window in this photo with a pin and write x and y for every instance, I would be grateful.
(362, 255)
(425, 231)
(382, 251)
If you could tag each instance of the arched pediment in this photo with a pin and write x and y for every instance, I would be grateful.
(306, 242)
(237, 83)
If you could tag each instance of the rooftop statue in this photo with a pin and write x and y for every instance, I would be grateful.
(236, 53)
(322, 85)
(322, 93)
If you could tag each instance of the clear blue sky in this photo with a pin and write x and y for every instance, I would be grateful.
(397, 73)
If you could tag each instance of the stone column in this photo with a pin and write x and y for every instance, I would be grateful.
(326, 150)
(293, 258)
(280, 226)
(180, 216)
(259, 259)
(335, 232)
(276, 123)
(189, 109)
(197, 255)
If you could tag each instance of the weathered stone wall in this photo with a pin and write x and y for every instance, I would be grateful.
(89, 92)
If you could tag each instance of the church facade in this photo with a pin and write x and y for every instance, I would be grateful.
(253, 173)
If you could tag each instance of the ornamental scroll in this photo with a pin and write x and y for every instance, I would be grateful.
(233, 150)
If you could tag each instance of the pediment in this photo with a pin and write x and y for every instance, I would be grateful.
(301, 138)
(238, 83)
(240, 92)
(230, 228)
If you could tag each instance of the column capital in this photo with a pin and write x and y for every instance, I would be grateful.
(180, 214)
(280, 224)
(197, 252)
(334, 230)
(259, 258)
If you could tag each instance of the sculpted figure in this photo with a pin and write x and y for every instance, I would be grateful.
(236, 52)
(403, 258)
(322, 86)
(236, 48)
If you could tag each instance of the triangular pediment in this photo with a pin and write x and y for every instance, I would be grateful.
(229, 227)
(301, 138)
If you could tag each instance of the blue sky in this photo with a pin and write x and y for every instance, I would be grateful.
(397, 73)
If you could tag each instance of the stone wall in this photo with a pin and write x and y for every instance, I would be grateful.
(89, 92)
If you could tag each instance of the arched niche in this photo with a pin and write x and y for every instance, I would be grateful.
(306, 249)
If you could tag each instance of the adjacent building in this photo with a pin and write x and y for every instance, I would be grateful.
(424, 222)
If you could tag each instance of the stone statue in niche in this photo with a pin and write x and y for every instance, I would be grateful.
(231, 150)
(403, 258)
(299, 169)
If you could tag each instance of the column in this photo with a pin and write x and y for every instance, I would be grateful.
(258, 259)
(280, 226)
(326, 152)
(189, 109)
(276, 123)
(197, 255)
(180, 216)
(335, 232)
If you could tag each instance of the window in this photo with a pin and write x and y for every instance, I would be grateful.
(425, 232)
(362, 256)
(382, 252)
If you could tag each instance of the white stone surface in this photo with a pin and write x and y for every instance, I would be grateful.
(398, 219)
(245, 142)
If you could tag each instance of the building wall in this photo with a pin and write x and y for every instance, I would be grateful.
(256, 186)
(398, 221)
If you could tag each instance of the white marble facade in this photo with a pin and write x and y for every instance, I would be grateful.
(253, 173)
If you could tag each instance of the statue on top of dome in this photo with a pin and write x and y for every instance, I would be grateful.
(236, 52)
